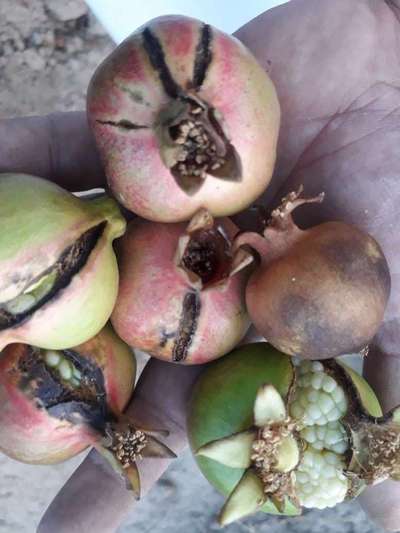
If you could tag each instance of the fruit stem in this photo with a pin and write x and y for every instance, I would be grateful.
(108, 209)
(281, 217)
(281, 232)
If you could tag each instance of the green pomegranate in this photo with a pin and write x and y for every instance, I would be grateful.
(59, 275)
(277, 435)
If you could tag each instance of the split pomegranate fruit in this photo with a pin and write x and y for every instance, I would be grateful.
(54, 404)
(317, 293)
(59, 274)
(184, 118)
(277, 434)
(181, 293)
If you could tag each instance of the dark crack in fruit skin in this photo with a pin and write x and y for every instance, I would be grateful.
(156, 56)
(70, 262)
(187, 327)
(87, 403)
(203, 56)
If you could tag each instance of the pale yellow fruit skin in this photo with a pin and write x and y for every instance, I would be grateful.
(88, 313)
(40, 221)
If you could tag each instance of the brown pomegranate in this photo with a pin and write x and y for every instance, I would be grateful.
(319, 292)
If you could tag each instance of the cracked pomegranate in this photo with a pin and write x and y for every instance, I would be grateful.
(278, 436)
(184, 118)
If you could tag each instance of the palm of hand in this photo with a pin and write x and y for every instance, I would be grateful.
(338, 77)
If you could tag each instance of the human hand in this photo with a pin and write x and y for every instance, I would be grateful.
(338, 94)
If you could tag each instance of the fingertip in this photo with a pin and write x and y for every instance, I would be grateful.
(58, 147)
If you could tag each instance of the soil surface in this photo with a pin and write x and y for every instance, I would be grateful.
(48, 51)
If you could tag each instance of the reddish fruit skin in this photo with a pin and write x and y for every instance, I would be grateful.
(28, 433)
(151, 293)
(126, 87)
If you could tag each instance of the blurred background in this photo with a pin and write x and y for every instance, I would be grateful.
(48, 52)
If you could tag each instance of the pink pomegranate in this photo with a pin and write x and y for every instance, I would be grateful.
(54, 404)
(184, 118)
(181, 293)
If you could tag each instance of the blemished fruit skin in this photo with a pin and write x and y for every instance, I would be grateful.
(133, 93)
(150, 307)
(28, 433)
(326, 296)
(40, 223)
(223, 399)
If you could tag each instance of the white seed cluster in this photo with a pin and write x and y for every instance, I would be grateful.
(318, 398)
(332, 437)
(29, 298)
(66, 370)
(320, 481)
(318, 405)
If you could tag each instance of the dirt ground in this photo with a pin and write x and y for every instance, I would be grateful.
(48, 51)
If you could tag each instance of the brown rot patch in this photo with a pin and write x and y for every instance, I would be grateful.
(51, 282)
(351, 260)
(313, 329)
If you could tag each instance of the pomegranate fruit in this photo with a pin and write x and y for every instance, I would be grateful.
(319, 292)
(277, 435)
(54, 404)
(181, 292)
(59, 274)
(184, 118)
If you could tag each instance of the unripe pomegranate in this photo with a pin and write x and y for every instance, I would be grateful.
(278, 436)
(54, 404)
(184, 118)
(319, 292)
(59, 275)
(181, 295)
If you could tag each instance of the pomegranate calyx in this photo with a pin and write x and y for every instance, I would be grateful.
(194, 143)
(205, 253)
(125, 443)
(247, 497)
(280, 232)
(376, 447)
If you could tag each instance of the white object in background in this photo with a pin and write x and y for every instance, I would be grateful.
(122, 17)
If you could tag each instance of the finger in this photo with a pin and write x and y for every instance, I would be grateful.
(95, 498)
(58, 147)
(320, 62)
(382, 502)
(382, 371)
